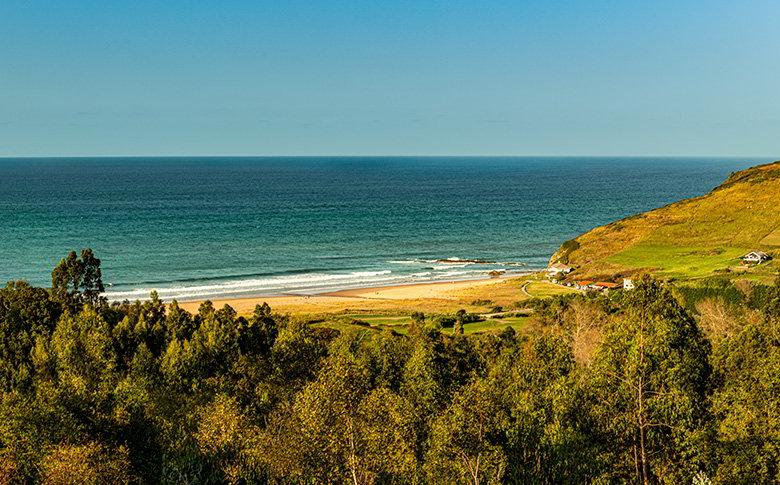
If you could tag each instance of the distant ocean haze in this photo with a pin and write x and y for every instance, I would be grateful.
(195, 228)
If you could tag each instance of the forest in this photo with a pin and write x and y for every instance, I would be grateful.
(650, 385)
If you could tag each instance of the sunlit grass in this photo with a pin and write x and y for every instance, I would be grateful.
(544, 289)
(679, 261)
(400, 324)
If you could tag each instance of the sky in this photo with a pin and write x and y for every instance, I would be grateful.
(418, 77)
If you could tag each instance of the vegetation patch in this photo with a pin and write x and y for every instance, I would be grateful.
(678, 261)
(566, 249)
(772, 239)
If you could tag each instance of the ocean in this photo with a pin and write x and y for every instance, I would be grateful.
(195, 228)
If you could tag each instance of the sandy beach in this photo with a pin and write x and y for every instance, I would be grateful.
(440, 296)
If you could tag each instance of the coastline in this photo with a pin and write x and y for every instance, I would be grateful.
(308, 283)
(438, 295)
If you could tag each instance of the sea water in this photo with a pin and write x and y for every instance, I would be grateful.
(194, 228)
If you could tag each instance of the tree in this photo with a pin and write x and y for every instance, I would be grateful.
(339, 429)
(466, 443)
(226, 437)
(388, 353)
(460, 317)
(259, 333)
(26, 313)
(747, 404)
(425, 380)
(747, 399)
(418, 322)
(91, 279)
(651, 378)
(178, 323)
(9, 468)
(91, 464)
(77, 281)
(86, 368)
(296, 355)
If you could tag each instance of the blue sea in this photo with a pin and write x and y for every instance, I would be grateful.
(194, 228)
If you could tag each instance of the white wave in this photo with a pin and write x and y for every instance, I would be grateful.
(275, 284)
(442, 267)
(308, 283)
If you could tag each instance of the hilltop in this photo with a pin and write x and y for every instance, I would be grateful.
(691, 238)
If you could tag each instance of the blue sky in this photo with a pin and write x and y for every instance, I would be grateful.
(394, 77)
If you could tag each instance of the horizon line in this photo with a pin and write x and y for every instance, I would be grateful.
(41, 157)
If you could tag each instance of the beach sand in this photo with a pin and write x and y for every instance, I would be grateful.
(426, 297)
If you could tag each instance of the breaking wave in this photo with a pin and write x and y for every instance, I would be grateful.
(313, 280)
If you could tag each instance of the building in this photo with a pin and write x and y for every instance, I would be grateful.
(755, 257)
(604, 286)
(590, 285)
(558, 269)
(628, 284)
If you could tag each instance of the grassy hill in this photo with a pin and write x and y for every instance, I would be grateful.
(691, 238)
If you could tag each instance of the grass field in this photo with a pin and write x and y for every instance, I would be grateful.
(772, 239)
(544, 289)
(480, 299)
(495, 325)
(679, 261)
(400, 324)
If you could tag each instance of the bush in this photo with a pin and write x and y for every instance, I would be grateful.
(567, 248)
(482, 302)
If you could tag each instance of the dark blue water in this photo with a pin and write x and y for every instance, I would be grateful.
(204, 227)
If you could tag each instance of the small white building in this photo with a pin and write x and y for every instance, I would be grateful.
(628, 284)
(558, 269)
(755, 257)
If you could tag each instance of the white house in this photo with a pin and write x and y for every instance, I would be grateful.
(559, 268)
(628, 284)
(755, 257)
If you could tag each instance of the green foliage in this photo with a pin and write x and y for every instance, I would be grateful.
(747, 399)
(624, 388)
(743, 294)
(90, 464)
(466, 440)
(653, 367)
(566, 249)
(26, 313)
(76, 281)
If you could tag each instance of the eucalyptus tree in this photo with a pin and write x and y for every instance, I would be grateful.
(650, 379)
(76, 281)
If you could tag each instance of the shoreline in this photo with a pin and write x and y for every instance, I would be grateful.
(167, 294)
(437, 294)
(408, 287)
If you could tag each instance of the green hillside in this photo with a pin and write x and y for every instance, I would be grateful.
(691, 238)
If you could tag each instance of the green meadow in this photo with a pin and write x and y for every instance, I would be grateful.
(400, 323)
(679, 261)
